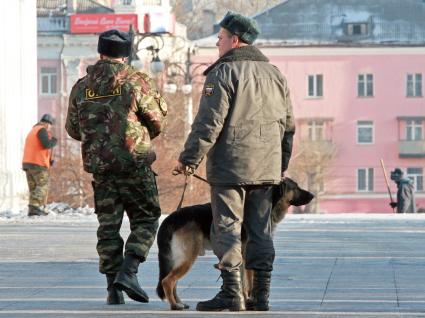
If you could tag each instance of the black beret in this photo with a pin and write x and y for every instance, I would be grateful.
(397, 171)
(114, 43)
(245, 28)
(47, 118)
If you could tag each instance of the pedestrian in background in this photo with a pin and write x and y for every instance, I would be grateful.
(36, 163)
(405, 193)
(245, 126)
(115, 111)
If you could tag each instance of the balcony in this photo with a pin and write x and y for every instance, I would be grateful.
(59, 24)
(411, 148)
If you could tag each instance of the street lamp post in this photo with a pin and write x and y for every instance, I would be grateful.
(187, 70)
(156, 65)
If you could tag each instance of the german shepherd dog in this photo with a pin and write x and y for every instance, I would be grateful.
(185, 234)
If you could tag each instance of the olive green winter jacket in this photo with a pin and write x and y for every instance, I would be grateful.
(245, 123)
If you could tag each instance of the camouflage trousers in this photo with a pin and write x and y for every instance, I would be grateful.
(38, 184)
(137, 195)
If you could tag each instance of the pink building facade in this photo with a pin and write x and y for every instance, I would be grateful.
(368, 109)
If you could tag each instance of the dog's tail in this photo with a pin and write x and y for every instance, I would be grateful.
(165, 234)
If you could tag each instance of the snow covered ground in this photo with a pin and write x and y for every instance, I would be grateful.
(62, 213)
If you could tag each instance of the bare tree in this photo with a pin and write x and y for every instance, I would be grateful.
(309, 167)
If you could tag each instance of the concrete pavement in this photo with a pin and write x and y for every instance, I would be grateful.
(326, 266)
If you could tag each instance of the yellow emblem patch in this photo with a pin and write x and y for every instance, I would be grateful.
(90, 94)
(209, 89)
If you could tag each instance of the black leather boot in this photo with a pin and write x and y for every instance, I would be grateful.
(260, 292)
(115, 296)
(126, 279)
(36, 211)
(230, 296)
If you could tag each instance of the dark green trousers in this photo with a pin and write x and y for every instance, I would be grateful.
(235, 207)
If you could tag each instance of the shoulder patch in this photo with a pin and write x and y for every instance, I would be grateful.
(90, 94)
(209, 89)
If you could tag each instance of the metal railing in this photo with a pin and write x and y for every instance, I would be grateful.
(53, 24)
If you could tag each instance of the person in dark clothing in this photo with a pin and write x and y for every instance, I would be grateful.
(36, 163)
(405, 193)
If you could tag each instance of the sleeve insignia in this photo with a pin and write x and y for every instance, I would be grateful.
(209, 89)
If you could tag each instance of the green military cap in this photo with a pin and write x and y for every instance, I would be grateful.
(114, 43)
(245, 28)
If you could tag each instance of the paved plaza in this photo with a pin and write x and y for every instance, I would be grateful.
(326, 266)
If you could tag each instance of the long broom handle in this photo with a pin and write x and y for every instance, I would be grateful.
(386, 181)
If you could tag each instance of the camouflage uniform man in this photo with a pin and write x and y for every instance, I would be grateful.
(36, 163)
(245, 127)
(405, 193)
(115, 111)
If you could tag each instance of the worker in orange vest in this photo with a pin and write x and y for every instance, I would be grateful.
(37, 162)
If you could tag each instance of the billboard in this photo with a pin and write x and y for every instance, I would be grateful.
(98, 23)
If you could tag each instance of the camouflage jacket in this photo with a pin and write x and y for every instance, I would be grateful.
(115, 111)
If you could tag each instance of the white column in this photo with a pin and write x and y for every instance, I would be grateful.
(18, 96)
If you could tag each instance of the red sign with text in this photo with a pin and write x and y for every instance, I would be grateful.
(98, 23)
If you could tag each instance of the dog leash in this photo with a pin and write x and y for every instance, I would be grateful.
(186, 182)
(179, 206)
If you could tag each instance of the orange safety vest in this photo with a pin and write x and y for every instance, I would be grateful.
(34, 152)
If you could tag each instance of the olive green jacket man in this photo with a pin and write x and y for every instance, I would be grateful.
(245, 123)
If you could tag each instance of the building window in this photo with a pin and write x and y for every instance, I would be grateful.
(315, 85)
(49, 80)
(365, 85)
(414, 85)
(365, 179)
(356, 29)
(414, 129)
(315, 130)
(416, 175)
(126, 2)
(364, 132)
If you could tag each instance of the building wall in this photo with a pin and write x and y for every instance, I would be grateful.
(18, 96)
(343, 108)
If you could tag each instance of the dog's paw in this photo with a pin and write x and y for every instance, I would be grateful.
(179, 306)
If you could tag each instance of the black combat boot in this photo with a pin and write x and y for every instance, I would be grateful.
(126, 279)
(230, 296)
(36, 211)
(259, 300)
(115, 296)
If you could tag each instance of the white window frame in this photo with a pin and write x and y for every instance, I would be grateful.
(361, 124)
(316, 130)
(51, 77)
(414, 124)
(416, 177)
(315, 91)
(365, 85)
(414, 85)
(369, 174)
(351, 27)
